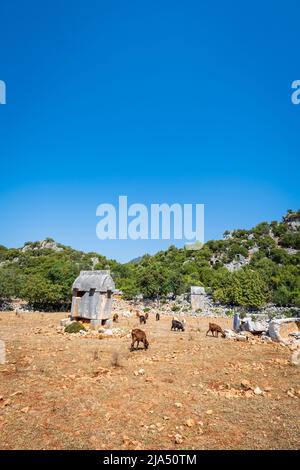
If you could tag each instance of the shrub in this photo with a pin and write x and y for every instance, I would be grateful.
(116, 359)
(74, 327)
(229, 313)
(175, 308)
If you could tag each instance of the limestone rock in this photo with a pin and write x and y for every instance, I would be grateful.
(178, 439)
(65, 322)
(295, 358)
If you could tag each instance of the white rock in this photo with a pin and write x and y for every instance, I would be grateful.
(241, 338)
(2, 352)
(108, 332)
(65, 322)
(295, 358)
(274, 328)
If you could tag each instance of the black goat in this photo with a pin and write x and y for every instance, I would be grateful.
(177, 325)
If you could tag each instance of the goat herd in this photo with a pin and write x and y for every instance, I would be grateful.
(139, 336)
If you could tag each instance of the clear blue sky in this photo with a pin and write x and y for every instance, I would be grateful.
(163, 101)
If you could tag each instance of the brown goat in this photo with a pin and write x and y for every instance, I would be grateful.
(138, 336)
(214, 328)
(134, 310)
(146, 315)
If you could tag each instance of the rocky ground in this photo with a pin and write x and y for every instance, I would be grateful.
(181, 305)
(187, 391)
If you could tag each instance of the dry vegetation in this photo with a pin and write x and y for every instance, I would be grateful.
(187, 391)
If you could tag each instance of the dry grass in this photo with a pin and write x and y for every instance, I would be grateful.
(116, 359)
(68, 392)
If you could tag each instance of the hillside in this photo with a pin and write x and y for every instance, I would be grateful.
(248, 268)
(42, 272)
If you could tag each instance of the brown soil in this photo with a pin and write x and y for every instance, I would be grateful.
(60, 391)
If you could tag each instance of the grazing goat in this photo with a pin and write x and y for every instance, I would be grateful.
(143, 319)
(116, 318)
(157, 317)
(214, 328)
(138, 336)
(177, 325)
(134, 310)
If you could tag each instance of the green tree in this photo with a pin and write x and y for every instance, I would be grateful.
(244, 287)
(10, 282)
(42, 293)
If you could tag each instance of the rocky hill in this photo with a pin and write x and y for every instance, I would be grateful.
(247, 268)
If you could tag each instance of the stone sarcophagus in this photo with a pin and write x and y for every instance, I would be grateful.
(92, 296)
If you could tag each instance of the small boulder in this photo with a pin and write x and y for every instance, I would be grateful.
(178, 439)
(295, 358)
(242, 338)
(108, 332)
(246, 384)
(190, 423)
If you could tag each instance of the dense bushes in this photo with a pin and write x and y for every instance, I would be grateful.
(244, 287)
(272, 275)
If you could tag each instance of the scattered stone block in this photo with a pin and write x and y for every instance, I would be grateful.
(274, 328)
(95, 324)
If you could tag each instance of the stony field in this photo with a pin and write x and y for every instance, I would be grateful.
(187, 391)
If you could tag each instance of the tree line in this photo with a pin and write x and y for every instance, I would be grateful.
(269, 272)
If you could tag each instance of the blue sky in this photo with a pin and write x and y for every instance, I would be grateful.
(163, 101)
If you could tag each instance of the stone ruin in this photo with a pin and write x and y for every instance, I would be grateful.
(267, 329)
(274, 329)
(92, 297)
(197, 298)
